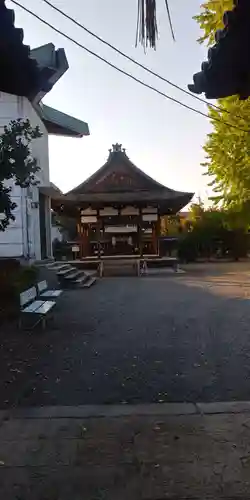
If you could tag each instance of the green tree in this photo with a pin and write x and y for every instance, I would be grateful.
(211, 18)
(16, 163)
(227, 154)
(227, 148)
(215, 232)
(196, 210)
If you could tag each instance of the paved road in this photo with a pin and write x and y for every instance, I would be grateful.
(130, 340)
(147, 457)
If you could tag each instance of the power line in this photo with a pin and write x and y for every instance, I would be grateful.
(170, 20)
(134, 61)
(129, 75)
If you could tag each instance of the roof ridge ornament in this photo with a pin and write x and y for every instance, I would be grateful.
(117, 148)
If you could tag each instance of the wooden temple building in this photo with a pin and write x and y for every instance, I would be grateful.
(118, 209)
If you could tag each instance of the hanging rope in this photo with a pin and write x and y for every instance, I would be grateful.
(146, 23)
(147, 32)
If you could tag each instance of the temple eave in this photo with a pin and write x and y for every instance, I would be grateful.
(135, 197)
(166, 204)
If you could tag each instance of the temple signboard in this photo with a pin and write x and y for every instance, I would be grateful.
(108, 212)
(130, 211)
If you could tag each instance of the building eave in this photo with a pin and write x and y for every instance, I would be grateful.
(54, 65)
(58, 123)
(167, 203)
(158, 196)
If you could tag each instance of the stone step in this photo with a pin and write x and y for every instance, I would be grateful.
(56, 266)
(89, 282)
(74, 275)
(51, 265)
(81, 280)
(65, 271)
(87, 275)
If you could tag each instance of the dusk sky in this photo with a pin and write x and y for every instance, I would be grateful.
(161, 137)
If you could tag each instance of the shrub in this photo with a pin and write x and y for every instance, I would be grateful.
(14, 279)
(188, 248)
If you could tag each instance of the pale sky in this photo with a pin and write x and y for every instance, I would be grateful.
(162, 138)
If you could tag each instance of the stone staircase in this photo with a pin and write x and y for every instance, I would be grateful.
(119, 267)
(72, 277)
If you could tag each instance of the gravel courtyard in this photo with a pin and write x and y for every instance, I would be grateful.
(170, 338)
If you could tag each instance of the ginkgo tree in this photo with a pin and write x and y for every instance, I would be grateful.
(227, 148)
(211, 18)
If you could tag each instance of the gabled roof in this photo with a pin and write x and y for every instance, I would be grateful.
(119, 181)
(118, 175)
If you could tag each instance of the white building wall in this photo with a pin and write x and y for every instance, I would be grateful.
(22, 237)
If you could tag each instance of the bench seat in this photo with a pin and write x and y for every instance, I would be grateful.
(44, 292)
(39, 307)
(51, 293)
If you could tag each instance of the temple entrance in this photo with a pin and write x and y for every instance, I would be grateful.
(119, 240)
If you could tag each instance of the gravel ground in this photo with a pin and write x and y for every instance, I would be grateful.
(129, 340)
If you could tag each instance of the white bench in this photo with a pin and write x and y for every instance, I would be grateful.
(43, 291)
(30, 306)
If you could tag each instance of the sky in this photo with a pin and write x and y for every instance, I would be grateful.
(162, 138)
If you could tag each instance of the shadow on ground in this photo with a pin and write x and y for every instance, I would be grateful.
(130, 340)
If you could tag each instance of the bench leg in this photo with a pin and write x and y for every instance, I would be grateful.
(43, 323)
(20, 322)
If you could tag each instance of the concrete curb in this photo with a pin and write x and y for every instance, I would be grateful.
(123, 410)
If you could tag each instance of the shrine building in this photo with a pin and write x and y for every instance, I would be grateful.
(118, 209)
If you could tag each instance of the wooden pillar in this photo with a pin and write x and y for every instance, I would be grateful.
(155, 236)
(140, 242)
(98, 237)
(158, 229)
(154, 240)
(84, 241)
(79, 238)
